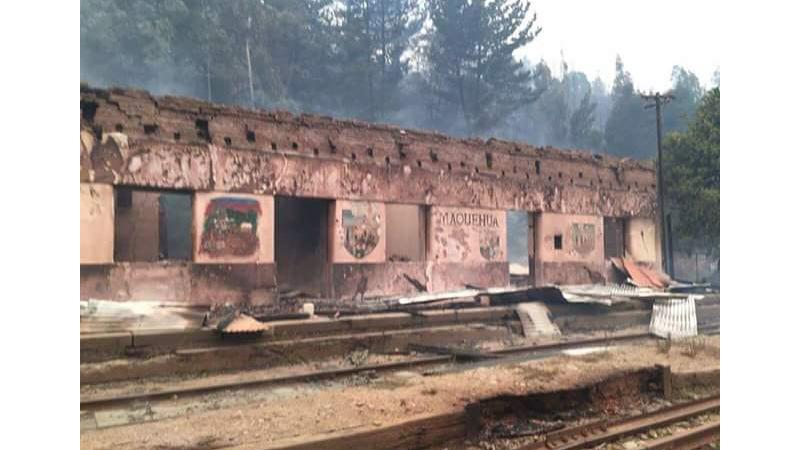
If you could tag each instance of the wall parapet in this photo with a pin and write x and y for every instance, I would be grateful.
(129, 137)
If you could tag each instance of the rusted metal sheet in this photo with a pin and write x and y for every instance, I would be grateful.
(241, 323)
(617, 263)
(641, 276)
(659, 278)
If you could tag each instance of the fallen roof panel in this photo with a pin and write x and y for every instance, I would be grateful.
(640, 277)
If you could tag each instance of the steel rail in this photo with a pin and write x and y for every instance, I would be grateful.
(597, 432)
(507, 355)
(112, 400)
(689, 439)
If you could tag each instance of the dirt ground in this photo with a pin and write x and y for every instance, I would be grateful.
(394, 397)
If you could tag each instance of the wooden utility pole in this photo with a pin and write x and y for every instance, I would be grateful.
(658, 99)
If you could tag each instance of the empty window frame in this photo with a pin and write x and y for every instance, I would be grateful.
(558, 242)
(152, 225)
(405, 232)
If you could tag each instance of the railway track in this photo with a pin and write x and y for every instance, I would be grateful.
(688, 440)
(592, 434)
(502, 356)
(448, 430)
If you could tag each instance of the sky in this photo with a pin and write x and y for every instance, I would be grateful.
(651, 37)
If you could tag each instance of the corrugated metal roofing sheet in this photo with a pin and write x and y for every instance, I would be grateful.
(674, 318)
(243, 324)
(641, 276)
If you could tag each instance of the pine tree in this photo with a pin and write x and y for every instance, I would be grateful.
(132, 43)
(687, 92)
(564, 115)
(601, 98)
(372, 39)
(472, 67)
(550, 114)
(197, 48)
(630, 129)
(581, 124)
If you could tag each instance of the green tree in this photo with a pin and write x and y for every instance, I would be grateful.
(688, 92)
(197, 47)
(692, 177)
(568, 108)
(576, 85)
(372, 39)
(289, 51)
(551, 110)
(603, 101)
(472, 67)
(630, 129)
(132, 43)
(582, 133)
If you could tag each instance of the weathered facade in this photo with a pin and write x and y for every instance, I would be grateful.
(188, 201)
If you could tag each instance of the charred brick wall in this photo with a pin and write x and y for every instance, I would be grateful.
(130, 138)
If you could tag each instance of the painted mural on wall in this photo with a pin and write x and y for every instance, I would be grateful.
(230, 227)
(361, 223)
(460, 234)
(490, 244)
(583, 237)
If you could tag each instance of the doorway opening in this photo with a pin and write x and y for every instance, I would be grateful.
(301, 251)
(613, 237)
(520, 247)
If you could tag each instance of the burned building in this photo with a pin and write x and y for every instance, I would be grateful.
(188, 201)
